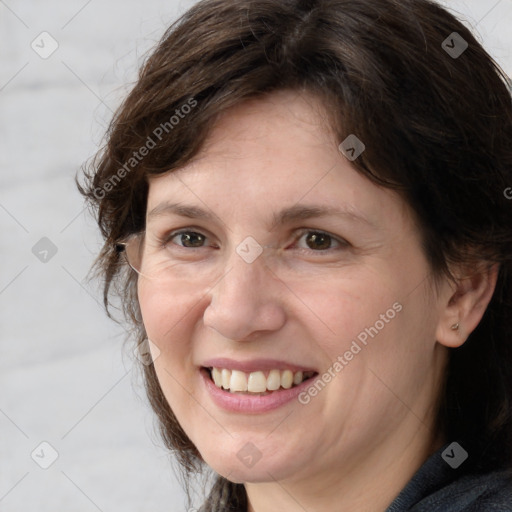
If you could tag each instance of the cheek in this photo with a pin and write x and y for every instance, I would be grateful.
(385, 337)
(166, 312)
(376, 319)
(346, 308)
(154, 309)
(381, 349)
(168, 320)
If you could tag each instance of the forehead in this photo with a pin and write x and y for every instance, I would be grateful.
(269, 153)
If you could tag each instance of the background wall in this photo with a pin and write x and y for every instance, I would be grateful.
(65, 378)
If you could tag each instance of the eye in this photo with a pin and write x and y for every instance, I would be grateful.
(319, 241)
(187, 239)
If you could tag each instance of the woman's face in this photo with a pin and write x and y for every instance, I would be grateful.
(291, 262)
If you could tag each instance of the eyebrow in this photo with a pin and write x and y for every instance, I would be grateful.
(285, 216)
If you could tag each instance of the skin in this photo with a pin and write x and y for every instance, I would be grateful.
(357, 443)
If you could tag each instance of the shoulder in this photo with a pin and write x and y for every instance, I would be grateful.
(491, 492)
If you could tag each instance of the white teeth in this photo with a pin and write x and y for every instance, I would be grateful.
(257, 382)
(287, 379)
(226, 378)
(238, 381)
(274, 380)
(217, 377)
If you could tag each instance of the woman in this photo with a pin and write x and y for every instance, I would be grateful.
(317, 248)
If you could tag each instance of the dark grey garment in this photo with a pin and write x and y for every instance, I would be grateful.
(437, 487)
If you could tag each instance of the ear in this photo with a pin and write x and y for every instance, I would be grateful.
(464, 305)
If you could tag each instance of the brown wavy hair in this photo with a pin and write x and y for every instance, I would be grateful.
(437, 128)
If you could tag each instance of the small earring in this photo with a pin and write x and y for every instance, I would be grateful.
(455, 327)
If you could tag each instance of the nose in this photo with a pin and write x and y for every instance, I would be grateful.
(247, 300)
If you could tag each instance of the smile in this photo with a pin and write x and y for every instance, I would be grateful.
(254, 387)
(258, 382)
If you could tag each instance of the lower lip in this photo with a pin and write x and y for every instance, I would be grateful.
(235, 402)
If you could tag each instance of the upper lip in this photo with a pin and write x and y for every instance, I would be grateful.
(254, 365)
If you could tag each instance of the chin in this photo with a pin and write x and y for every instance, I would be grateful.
(250, 465)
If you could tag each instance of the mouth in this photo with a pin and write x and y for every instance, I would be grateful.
(256, 383)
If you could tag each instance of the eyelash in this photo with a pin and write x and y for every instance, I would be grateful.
(342, 244)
